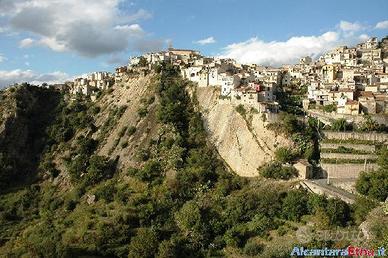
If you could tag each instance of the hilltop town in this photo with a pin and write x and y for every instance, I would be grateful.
(346, 81)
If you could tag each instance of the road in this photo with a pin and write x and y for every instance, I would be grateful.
(320, 186)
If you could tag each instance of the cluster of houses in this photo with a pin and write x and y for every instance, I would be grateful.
(353, 80)
(252, 85)
(90, 84)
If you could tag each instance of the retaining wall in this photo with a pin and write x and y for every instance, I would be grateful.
(347, 156)
(379, 137)
(346, 170)
(362, 147)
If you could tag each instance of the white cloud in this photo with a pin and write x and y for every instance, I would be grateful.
(350, 27)
(277, 53)
(88, 27)
(27, 42)
(18, 76)
(209, 40)
(133, 29)
(364, 37)
(382, 25)
(2, 58)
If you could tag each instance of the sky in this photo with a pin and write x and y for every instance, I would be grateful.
(56, 40)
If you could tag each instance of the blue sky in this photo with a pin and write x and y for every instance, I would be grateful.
(50, 40)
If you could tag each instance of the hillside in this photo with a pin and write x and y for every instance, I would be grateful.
(139, 173)
(242, 141)
(26, 113)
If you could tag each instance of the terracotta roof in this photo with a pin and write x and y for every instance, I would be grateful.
(368, 94)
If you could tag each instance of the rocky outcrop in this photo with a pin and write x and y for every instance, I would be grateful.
(26, 112)
(242, 141)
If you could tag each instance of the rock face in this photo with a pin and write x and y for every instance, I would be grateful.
(243, 142)
(128, 95)
(25, 114)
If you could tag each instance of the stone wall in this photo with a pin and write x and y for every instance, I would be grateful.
(379, 137)
(347, 156)
(346, 170)
(329, 117)
(362, 147)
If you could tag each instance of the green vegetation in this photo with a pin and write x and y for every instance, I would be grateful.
(290, 101)
(122, 131)
(304, 135)
(277, 171)
(353, 141)
(131, 130)
(347, 161)
(142, 112)
(27, 125)
(241, 110)
(342, 149)
(370, 125)
(341, 125)
(375, 184)
(330, 108)
(179, 200)
(285, 155)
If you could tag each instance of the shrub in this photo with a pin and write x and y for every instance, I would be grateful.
(122, 131)
(99, 168)
(338, 212)
(341, 125)
(252, 248)
(131, 130)
(330, 108)
(241, 110)
(295, 205)
(124, 144)
(373, 184)
(362, 207)
(143, 154)
(142, 112)
(284, 155)
(277, 171)
(144, 244)
(151, 100)
(106, 191)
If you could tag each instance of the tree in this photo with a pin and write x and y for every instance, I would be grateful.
(340, 125)
(338, 212)
(143, 62)
(295, 205)
(144, 244)
(369, 124)
(330, 108)
(290, 122)
(373, 184)
(188, 218)
(284, 155)
(362, 207)
(383, 158)
(99, 168)
(277, 171)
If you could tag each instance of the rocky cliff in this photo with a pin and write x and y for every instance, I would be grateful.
(241, 140)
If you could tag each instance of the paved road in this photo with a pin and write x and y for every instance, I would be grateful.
(320, 186)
